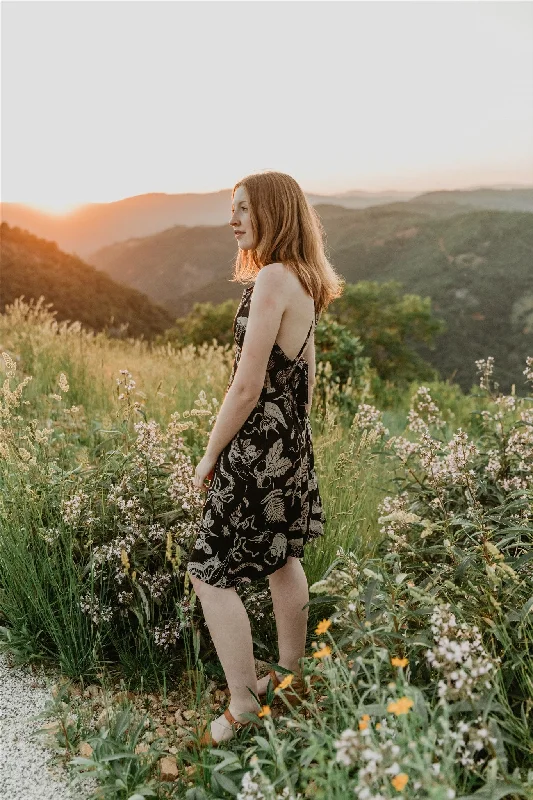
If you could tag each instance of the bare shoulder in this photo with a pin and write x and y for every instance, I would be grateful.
(280, 279)
(273, 276)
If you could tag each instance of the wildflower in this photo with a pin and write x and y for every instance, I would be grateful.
(363, 722)
(265, 712)
(323, 626)
(63, 382)
(459, 655)
(423, 412)
(125, 560)
(399, 662)
(400, 781)
(287, 680)
(369, 418)
(486, 369)
(346, 747)
(11, 366)
(528, 372)
(400, 706)
(324, 651)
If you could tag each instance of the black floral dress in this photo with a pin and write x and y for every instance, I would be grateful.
(263, 503)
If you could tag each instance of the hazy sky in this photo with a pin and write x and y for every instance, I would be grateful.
(105, 100)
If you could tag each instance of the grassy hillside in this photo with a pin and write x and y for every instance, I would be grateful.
(33, 267)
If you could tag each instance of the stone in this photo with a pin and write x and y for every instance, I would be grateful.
(93, 691)
(102, 719)
(85, 750)
(51, 727)
(168, 769)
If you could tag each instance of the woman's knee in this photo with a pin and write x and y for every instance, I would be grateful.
(201, 588)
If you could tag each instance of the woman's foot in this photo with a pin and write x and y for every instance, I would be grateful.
(262, 683)
(222, 730)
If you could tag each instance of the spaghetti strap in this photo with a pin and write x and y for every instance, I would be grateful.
(302, 348)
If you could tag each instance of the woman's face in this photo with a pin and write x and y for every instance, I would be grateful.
(240, 219)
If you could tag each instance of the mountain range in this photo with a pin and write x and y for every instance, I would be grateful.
(96, 225)
(474, 262)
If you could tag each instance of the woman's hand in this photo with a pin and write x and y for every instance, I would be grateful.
(205, 469)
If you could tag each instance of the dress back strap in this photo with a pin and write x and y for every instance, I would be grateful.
(302, 348)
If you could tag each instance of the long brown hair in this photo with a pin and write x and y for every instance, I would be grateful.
(287, 230)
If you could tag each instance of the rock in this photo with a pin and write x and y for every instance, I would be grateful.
(169, 720)
(168, 769)
(161, 732)
(51, 727)
(120, 697)
(93, 691)
(142, 748)
(102, 719)
(85, 750)
(189, 714)
(178, 716)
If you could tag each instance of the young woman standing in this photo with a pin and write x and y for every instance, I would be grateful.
(263, 502)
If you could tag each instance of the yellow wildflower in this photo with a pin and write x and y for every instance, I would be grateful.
(378, 726)
(125, 560)
(287, 680)
(363, 722)
(401, 706)
(323, 626)
(265, 711)
(399, 662)
(324, 651)
(400, 781)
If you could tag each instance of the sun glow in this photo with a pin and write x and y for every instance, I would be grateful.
(56, 209)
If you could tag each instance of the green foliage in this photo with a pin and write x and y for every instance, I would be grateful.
(388, 323)
(206, 321)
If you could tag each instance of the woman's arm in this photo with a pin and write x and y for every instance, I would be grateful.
(234, 411)
(268, 303)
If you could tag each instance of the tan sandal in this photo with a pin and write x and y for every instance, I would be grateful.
(206, 738)
(295, 692)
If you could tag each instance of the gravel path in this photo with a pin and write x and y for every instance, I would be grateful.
(24, 772)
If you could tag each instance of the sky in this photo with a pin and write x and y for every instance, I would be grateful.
(106, 100)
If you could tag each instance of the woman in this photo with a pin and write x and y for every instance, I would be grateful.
(263, 502)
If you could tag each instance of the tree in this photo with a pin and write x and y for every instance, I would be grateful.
(390, 325)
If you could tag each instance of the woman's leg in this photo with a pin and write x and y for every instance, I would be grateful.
(290, 592)
(230, 631)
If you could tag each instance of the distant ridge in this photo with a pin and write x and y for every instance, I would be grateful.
(96, 225)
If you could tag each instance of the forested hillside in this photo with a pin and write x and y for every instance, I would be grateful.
(33, 267)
